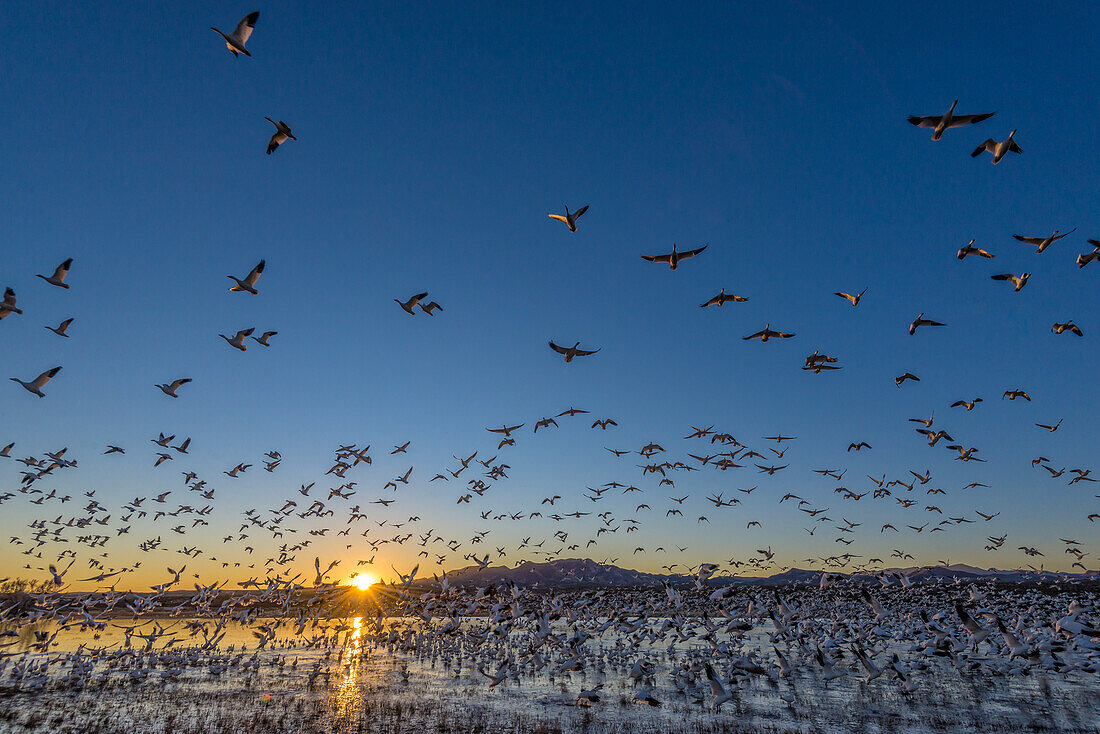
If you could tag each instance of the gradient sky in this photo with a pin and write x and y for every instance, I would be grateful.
(433, 140)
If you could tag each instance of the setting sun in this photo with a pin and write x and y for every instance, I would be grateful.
(363, 581)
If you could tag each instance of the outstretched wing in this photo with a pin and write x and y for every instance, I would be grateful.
(658, 258)
(963, 120)
(42, 379)
(244, 28)
(559, 350)
(987, 145)
(925, 121)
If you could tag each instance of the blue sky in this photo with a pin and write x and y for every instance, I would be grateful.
(434, 139)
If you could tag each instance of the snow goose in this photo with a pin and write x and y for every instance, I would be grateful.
(410, 304)
(1042, 243)
(281, 135)
(570, 218)
(35, 386)
(998, 149)
(921, 321)
(766, 333)
(854, 300)
(673, 258)
(969, 249)
(263, 340)
(248, 285)
(61, 328)
(235, 41)
(58, 277)
(1018, 281)
(170, 388)
(237, 342)
(1068, 326)
(7, 306)
(573, 351)
(948, 120)
(722, 299)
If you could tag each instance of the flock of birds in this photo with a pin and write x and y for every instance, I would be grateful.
(517, 631)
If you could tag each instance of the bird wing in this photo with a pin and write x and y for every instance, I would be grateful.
(925, 120)
(255, 274)
(963, 120)
(243, 333)
(62, 270)
(1029, 240)
(42, 379)
(987, 145)
(577, 214)
(658, 258)
(754, 336)
(558, 217)
(559, 350)
(244, 28)
(585, 353)
(692, 253)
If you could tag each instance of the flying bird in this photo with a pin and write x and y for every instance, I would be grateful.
(169, 389)
(1018, 281)
(766, 333)
(58, 277)
(969, 249)
(60, 330)
(7, 306)
(281, 135)
(854, 300)
(263, 340)
(570, 218)
(410, 304)
(35, 386)
(237, 342)
(948, 120)
(921, 321)
(998, 149)
(1042, 243)
(573, 351)
(235, 41)
(1068, 326)
(722, 299)
(673, 258)
(248, 285)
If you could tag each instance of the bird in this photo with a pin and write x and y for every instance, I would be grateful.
(237, 342)
(248, 285)
(58, 277)
(430, 308)
(169, 389)
(921, 321)
(948, 120)
(410, 304)
(1013, 394)
(1068, 326)
(854, 300)
(1053, 428)
(570, 218)
(969, 249)
(35, 386)
(573, 351)
(281, 135)
(1082, 260)
(1018, 281)
(905, 376)
(61, 328)
(7, 306)
(235, 42)
(722, 299)
(998, 149)
(858, 446)
(673, 258)
(263, 340)
(766, 333)
(1042, 243)
(969, 406)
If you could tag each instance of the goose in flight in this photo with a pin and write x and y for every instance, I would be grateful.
(905, 376)
(948, 120)
(921, 321)
(61, 328)
(1018, 281)
(1013, 394)
(1068, 326)
(235, 42)
(431, 308)
(237, 342)
(854, 300)
(249, 283)
(1042, 243)
(722, 299)
(263, 340)
(7, 306)
(573, 351)
(969, 249)
(35, 386)
(170, 388)
(999, 150)
(767, 333)
(281, 135)
(673, 258)
(410, 304)
(721, 695)
(58, 277)
(1082, 260)
(1053, 428)
(570, 218)
(969, 406)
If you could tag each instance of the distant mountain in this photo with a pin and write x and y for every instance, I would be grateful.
(574, 572)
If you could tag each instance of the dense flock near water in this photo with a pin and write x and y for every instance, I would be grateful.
(512, 659)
